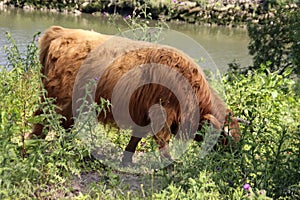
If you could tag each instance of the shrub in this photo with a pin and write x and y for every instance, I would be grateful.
(271, 144)
(265, 163)
(276, 39)
(34, 168)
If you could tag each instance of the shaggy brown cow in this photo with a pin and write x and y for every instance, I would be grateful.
(64, 51)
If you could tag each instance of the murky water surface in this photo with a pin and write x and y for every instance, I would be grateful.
(224, 45)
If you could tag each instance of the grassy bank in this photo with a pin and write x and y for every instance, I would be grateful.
(264, 164)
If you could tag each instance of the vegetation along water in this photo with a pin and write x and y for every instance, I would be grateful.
(265, 164)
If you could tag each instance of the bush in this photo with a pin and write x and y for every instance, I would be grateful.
(266, 160)
(276, 39)
(265, 163)
(35, 168)
(271, 144)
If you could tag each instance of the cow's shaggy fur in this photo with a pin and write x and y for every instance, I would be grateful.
(63, 51)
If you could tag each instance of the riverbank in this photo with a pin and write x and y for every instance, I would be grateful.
(264, 163)
(235, 13)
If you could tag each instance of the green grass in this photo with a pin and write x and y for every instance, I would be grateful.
(268, 156)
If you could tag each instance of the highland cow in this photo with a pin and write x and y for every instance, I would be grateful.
(64, 58)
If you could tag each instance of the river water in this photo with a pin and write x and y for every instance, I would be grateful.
(224, 45)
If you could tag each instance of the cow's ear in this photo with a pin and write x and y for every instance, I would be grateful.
(213, 121)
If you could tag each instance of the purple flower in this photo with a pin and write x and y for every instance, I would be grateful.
(230, 183)
(174, 1)
(247, 186)
(36, 39)
(127, 17)
(104, 13)
(218, 168)
(96, 78)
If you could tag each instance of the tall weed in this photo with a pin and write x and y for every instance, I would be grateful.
(265, 162)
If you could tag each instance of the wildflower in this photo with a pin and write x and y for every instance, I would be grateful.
(174, 1)
(230, 183)
(36, 39)
(127, 17)
(262, 192)
(218, 168)
(96, 78)
(105, 13)
(247, 186)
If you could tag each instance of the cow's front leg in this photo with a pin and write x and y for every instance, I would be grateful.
(129, 150)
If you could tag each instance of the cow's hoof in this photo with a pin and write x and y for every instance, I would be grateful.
(167, 167)
(126, 163)
(127, 159)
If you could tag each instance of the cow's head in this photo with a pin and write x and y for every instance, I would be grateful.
(230, 127)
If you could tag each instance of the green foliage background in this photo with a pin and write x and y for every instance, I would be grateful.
(277, 40)
(267, 158)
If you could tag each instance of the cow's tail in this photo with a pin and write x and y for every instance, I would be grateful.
(44, 43)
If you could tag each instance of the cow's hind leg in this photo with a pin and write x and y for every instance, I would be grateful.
(66, 122)
(37, 128)
(162, 138)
